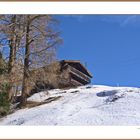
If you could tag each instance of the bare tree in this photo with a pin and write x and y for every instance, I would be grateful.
(30, 42)
(40, 43)
(10, 38)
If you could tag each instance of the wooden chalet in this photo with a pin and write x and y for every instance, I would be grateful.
(61, 74)
(74, 73)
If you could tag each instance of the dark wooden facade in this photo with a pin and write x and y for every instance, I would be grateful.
(74, 73)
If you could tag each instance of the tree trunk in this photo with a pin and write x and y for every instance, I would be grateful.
(26, 66)
(12, 57)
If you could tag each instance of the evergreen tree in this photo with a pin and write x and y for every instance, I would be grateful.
(4, 102)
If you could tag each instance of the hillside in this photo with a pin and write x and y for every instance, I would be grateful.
(86, 105)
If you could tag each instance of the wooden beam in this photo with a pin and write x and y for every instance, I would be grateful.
(79, 74)
(77, 62)
(76, 83)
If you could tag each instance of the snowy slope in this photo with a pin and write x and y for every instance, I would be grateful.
(86, 105)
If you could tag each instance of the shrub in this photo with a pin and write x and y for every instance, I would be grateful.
(4, 102)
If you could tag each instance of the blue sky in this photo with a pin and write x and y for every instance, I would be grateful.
(109, 45)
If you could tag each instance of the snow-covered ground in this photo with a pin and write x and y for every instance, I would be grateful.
(86, 105)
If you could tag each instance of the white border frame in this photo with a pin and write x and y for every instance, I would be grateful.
(70, 7)
(70, 132)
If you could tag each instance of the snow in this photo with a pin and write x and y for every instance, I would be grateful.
(85, 105)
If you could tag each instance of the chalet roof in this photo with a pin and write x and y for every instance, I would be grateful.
(78, 64)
